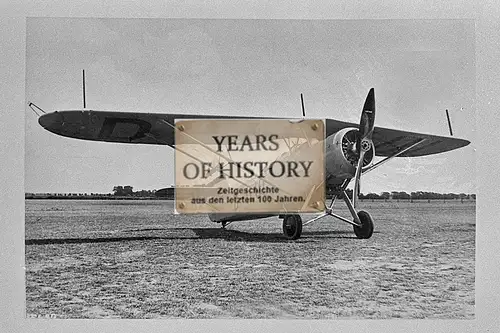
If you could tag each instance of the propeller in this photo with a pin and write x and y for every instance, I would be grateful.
(364, 139)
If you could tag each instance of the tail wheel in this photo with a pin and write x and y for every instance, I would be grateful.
(292, 226)
(366, 229)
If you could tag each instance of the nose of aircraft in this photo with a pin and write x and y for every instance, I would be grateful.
(51, 121)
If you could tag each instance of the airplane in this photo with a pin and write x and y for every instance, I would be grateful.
(349, 152)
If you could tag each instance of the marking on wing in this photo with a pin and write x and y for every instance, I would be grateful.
(110, 125)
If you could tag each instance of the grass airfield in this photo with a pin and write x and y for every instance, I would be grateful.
(136, 259)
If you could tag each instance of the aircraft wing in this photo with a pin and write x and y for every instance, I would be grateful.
(157, 128)
(111, 126)
(390, 141)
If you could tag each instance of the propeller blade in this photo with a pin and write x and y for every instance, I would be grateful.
(357, 179)
(367, 122)
(366, 126)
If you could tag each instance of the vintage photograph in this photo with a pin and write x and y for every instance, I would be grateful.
(394, 237)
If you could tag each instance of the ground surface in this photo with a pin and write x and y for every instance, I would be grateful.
(136, 259)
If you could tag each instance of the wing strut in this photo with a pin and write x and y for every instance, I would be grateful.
(388, 158)
(209, 149)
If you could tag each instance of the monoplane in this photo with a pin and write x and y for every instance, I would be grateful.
(349, 152)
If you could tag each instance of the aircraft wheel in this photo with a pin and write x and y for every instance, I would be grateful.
(366, 229)
(292, 226)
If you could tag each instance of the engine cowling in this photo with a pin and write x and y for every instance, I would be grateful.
(341, 157)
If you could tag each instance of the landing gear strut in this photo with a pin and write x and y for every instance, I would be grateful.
(362, 224)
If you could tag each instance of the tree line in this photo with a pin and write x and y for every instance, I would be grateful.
(394, 195)
(128, 191)
(418, 195)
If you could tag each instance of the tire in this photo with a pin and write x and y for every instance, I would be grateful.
(366, 229)
(292, 226)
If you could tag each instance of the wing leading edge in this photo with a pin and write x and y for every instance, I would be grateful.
(157, 128)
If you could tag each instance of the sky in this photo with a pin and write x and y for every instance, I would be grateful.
(418, 68)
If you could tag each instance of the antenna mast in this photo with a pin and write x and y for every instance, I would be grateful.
(449, 122)
(303, 109)
(83, 84)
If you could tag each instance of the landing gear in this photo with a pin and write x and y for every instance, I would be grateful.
(365, 231)
(362, 221)
(292, 226)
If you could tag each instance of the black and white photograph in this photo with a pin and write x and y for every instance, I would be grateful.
(396, 235)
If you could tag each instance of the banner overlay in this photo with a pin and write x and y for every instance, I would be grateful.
(249, 166)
